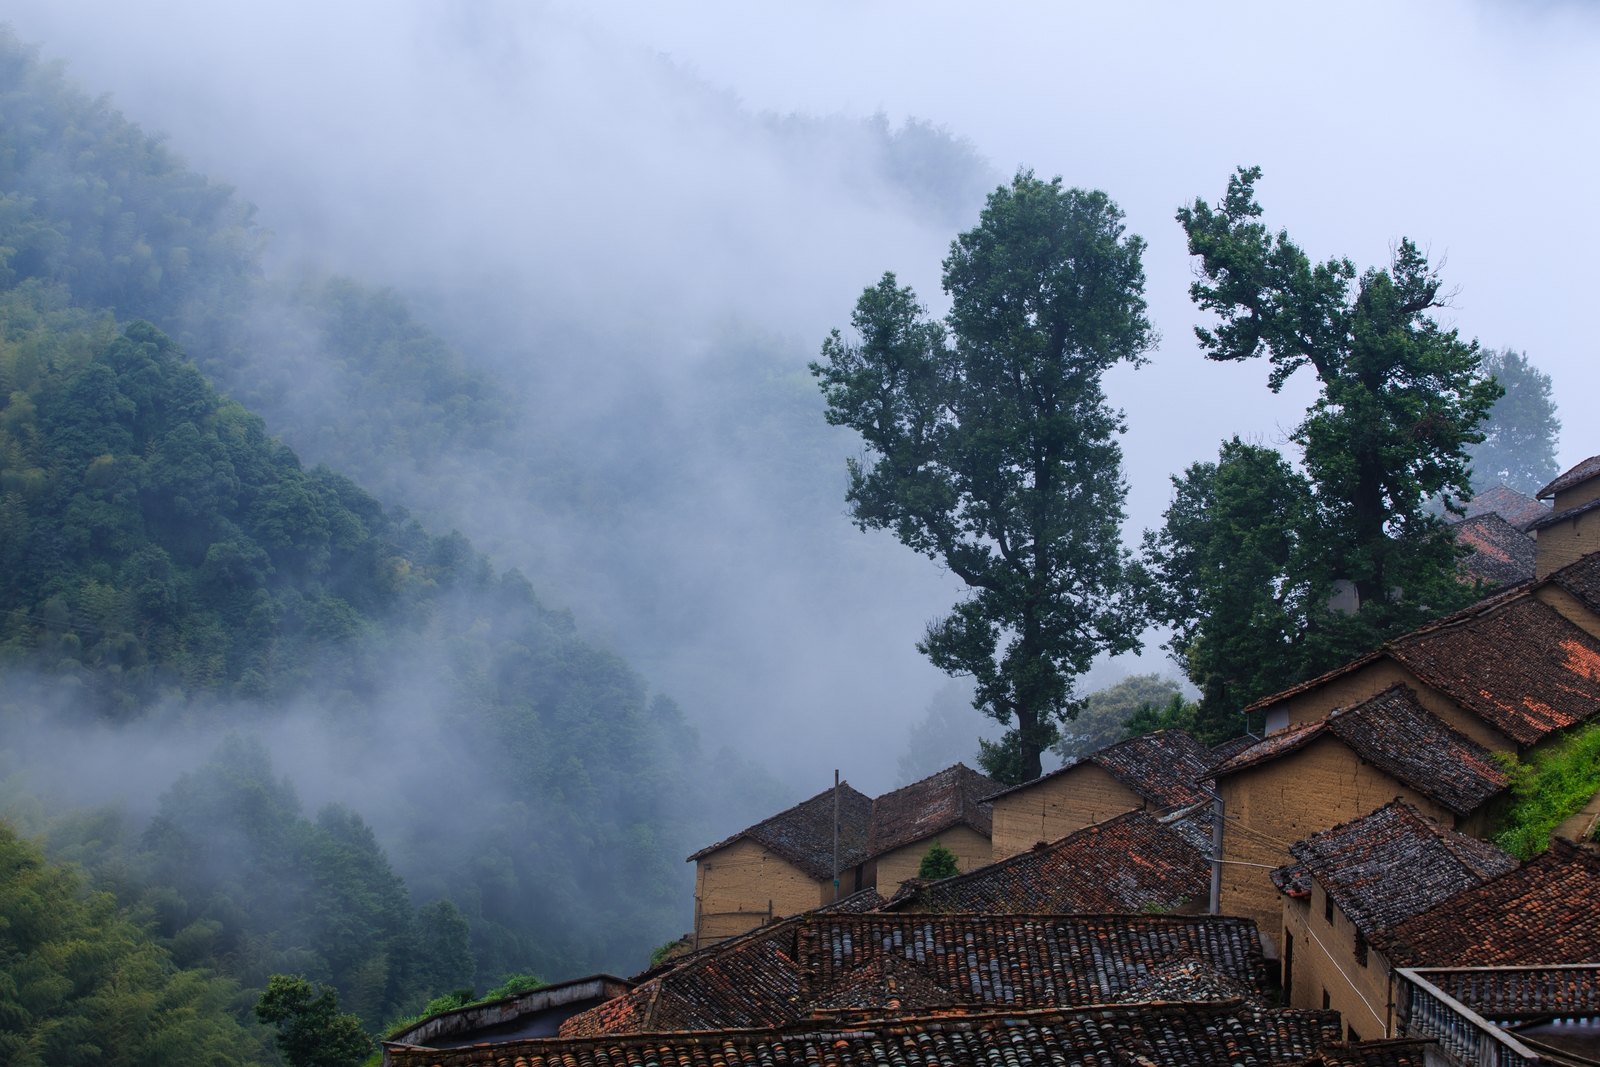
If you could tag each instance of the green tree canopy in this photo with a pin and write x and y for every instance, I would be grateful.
(1230, 567)
(1104, 718)
(312, 1031)
(1521, 434)
(991, 447)
(1400, 401)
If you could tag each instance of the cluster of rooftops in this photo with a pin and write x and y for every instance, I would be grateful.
(1322, 894)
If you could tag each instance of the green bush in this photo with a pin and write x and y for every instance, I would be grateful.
(1547, 789)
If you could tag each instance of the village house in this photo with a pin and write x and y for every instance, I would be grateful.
(1518, 509)
(948, 808)
(1349, 886)
(822, 965)
(1409, 929)
(1134, 863)
(1158, 772)
(1026, 991)
(1311, 777)
(1572, 529)
(781, 866)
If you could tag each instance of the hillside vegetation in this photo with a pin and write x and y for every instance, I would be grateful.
(170, 572)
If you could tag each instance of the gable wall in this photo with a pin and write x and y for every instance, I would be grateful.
(1373, 679)
(734, 888)
(1269, 807)
(1058, 806)
(1325, 959)
(971, 849)
(1573, 496)
(1343, 691)
(1562, 543)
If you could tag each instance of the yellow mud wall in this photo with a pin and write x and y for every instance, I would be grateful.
(971, 849)
(1058, 806)
(1325, 962)
(1268, 808)
(735, 887)
(1566, 542)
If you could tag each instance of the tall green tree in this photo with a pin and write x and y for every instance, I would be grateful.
(1520, 436)
(991, 447)
(1400, 401)
(1229, 563)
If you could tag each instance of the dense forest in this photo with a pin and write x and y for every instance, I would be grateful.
(181, 590)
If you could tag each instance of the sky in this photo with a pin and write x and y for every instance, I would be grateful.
(610, 167)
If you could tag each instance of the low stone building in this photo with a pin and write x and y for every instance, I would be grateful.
(1157, 772)
(782, 866)
(948, 807)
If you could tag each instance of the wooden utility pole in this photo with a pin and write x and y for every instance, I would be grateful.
(836, 835)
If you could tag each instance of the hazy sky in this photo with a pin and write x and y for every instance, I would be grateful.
(602, 162)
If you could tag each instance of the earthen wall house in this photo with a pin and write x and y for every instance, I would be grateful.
(948, 808)
(1314, 776)
(1158, 772)
(781, 866)
(1349, 885)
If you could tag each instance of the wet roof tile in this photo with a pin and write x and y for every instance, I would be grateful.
(1501, 553)
(1518, 665)
(1516, 508)
(803, 834)
(1021, 962)
(953, 797)
(1164, 768)
(1576, 475)
(1131, 863)
(1183, 1033)
(1395, 733)
(1547, 911)
(1390, 864)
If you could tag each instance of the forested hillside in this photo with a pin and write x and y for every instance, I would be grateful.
(170, 573)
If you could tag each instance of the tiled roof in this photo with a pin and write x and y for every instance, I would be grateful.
(1589, 468)
(1517, 665)
(1182, 1035)
(1131, 863)
(1562, 516)
(1389, 865)
(803, 834)
(1231, 748)
(1582, 580)
(1544, 911)
(953, 797)
(1516, 508)
(1501, 553)
(1164, 768)
(794, 968)
(860, 901)
(1395, 733)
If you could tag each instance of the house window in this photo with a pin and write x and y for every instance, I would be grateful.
(1361, 948)
(1325, 1001)
(1354, 1037)
(1327, 908)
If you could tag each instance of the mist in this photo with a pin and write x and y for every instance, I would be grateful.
(621, 213)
